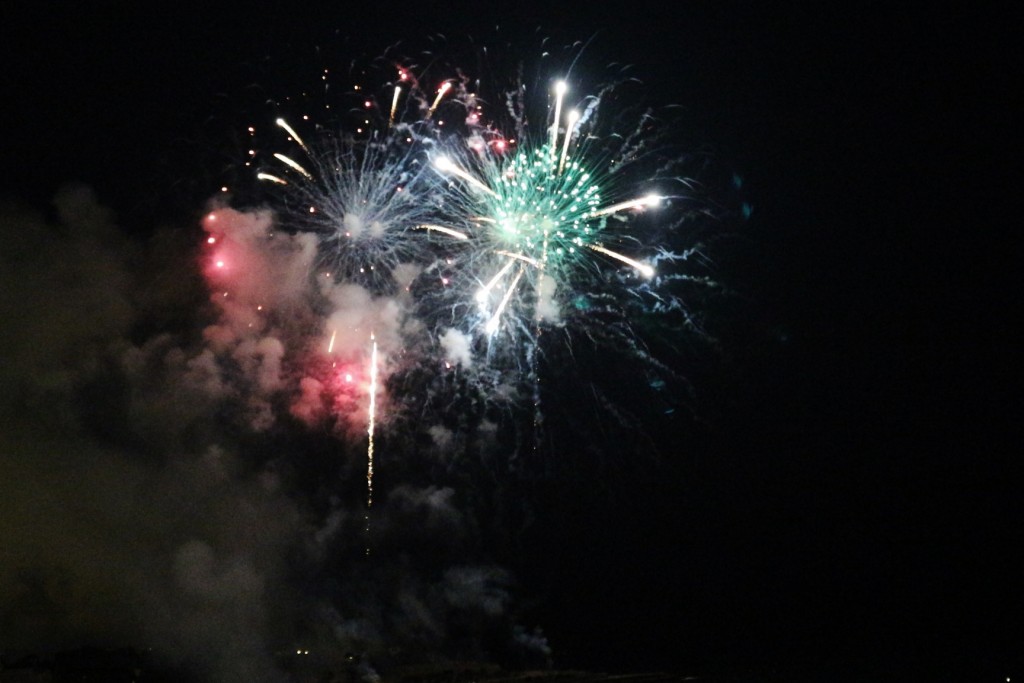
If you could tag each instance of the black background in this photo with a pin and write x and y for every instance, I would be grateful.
(853, 504)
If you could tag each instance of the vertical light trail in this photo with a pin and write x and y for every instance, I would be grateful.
(394, 106)
(369, 441)
(492, 324)
(485, 291)
(574, 116)
(445, 87)
(560, 88)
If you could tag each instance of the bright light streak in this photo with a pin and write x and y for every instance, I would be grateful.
(372, 413)
(560, 88)
(522, 257)
(394, 106)
(569, 127)
(293, 164)
(330, 345)
(649, 200)
(295, 136)
(440, 228)
(484, 292)
(492, 324)
(644, 269)
(445, 165)
(445, 87)
(271, 178)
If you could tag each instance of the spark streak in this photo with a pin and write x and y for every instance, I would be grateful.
(649, 200)
(492, 324)
(560, 88)
(522, 257)
(440, 228)
(372, 412)
(292, 164)
(645, 270)
(394, 106)
(271, 178)
(446, 165)
(569, 126)
(484, 292)
(291, 131)
(445, 87)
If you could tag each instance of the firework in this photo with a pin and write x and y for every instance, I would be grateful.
(489, 228)
(364, 199)
(371, 425)
(365, 190)
(540, 221)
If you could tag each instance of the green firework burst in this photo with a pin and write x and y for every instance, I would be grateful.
(543, 209)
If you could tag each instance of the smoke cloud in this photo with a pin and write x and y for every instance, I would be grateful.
(183, 451)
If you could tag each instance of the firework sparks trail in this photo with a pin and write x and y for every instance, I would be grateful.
(394, 106)
(560, 89)
(291, 163)
(291, 131)
(270, 177)
(574, 116)
(445, 165)
(492, 324)
(441, 92)
(457, 234)
(372, 421)
(644, 269)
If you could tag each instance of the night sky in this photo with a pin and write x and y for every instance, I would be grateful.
(837, 492)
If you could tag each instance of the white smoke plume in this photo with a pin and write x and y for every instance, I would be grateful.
(456, 346)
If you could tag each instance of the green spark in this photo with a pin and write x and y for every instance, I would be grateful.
(541, 213)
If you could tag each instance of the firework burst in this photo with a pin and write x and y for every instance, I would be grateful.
(364, 199)
(539, 216)
(498, 213)
(557, 224)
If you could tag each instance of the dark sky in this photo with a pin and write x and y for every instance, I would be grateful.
(845, 499)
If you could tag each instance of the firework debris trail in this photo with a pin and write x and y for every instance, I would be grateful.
(372, 419)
